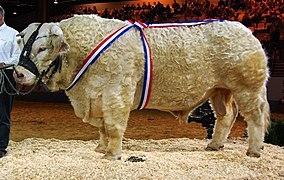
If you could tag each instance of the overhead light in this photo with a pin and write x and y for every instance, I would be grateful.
(55, 2)
(15, 13)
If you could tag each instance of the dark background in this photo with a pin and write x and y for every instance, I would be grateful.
(20, 13)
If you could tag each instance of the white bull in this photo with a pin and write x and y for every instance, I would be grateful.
(219, 61)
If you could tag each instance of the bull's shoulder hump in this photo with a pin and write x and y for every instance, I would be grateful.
(92, 17)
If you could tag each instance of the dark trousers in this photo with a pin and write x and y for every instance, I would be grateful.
(6, 102)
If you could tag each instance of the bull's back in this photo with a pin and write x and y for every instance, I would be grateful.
(189, 61)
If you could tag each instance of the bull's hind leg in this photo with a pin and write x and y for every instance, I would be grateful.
(255, 110)
(226, 112)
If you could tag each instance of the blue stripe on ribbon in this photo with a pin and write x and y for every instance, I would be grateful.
(145, 72)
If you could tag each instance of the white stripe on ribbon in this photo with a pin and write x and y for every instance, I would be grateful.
(105, 43)
(147, 73)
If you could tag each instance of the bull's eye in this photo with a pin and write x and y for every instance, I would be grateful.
(41, 49)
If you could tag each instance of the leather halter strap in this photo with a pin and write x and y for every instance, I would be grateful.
(25, 60)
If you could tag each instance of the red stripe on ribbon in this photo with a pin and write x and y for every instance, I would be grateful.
(150, 72)
(97, 47)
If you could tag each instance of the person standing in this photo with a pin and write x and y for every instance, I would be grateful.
(9, 54)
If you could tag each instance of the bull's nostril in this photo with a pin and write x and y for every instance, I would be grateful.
(20, 75)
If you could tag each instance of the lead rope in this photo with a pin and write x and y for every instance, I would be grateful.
(14, 91)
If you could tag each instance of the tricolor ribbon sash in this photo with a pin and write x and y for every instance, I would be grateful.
(106, 43)
(95, 54)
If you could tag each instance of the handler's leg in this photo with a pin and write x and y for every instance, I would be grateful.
(6, 102)
(226, 112)
(4, 122)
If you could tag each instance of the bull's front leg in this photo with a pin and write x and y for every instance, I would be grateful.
(103, 142)
(115, 126)
(117, 102)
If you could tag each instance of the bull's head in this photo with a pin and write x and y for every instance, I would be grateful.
(42, 47)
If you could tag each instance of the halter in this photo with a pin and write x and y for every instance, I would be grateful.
(25, 60)
(27, 63)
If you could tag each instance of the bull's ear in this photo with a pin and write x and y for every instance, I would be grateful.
(56, 31)
(57, 39)
(20, 42)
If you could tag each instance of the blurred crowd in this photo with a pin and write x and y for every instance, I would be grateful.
(264, 17)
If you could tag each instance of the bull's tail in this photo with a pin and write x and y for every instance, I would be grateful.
(265, 109)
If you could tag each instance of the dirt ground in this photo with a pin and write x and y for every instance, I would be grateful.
(57, 120)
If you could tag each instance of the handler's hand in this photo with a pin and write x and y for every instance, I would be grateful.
(2, 65)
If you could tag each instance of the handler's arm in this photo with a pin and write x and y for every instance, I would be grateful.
(14, 52)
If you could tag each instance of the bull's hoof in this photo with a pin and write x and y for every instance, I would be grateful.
(111, 157)
(100, 149)
(253, 154)
(212, 148)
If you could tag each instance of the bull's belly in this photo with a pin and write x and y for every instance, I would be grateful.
(174, 100)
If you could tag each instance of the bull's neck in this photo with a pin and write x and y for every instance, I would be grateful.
(60, 80)
(79, 51)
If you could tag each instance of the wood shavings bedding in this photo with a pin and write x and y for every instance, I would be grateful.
(178, 158)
